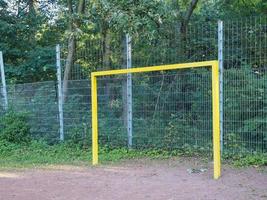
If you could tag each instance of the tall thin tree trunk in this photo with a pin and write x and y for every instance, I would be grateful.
(71, 43)
(106, 49)
(181, 28)
(181, 33)
(106, 62)
(69, 63)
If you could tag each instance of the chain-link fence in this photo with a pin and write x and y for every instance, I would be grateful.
(170, 110)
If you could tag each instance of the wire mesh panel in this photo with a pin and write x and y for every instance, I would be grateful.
(112, 119)
(77, 112)
(2, 108)
(245, 85)
(38, 101)
(35, 65)
(170, 45)
(97, 52)
(171, 110)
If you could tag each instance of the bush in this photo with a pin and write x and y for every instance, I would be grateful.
(14, 128)
(79, 136)
(255, 160)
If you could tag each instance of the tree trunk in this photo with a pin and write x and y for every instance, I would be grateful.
(106, 50)
(181, 28)
(69, 63)
(71, 43)
(31, 6)
(106, 62)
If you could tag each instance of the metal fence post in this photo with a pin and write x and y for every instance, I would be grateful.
(3, 81)
(60, 96)
(129, 91)
(220, 58)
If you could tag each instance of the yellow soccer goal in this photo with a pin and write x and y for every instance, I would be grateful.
(175, 68)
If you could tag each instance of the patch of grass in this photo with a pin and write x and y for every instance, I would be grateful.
(114, 155)
(245, 159)
(38, 153)
(256, 160)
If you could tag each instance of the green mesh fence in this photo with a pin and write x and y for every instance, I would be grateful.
(171, 109)
(245, 85)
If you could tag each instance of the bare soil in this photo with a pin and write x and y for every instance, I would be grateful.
(138, 179)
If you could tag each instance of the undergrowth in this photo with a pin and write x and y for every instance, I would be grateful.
(246, 160)
(39, 153)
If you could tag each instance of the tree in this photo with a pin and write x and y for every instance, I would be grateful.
(25, 59)
(75, 10)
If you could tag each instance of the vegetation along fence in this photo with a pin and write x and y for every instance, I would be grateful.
(167, 110)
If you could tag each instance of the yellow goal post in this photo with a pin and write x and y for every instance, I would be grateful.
(215, 103)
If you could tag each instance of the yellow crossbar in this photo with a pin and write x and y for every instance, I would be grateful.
(155, 68)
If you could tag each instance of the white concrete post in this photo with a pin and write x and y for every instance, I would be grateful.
(3, 78)
(220, 58)
(129, 92)
(60, 95)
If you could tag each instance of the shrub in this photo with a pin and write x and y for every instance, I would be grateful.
(79, 136)
(14, 128)
(255, 159)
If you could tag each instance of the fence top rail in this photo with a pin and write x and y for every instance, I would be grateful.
(156, 68)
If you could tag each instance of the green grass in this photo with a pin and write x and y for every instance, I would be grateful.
(256, 160)
(245, 159)
(38, 154)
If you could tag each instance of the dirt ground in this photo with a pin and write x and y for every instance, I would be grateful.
(130, 180)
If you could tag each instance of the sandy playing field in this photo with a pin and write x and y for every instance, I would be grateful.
(138, 179)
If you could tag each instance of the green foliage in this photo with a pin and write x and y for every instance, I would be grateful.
(242, 8)
(245, 160)
(29, 34)
(232, 143)
(79, 136)
(39, 101)
(15, 128)
(252, 160)
(27, 57)
(6, 148)
(180, 133)
(245, 103)
(77, 115)
(144, 16)
(27, 29)
(39, 153)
